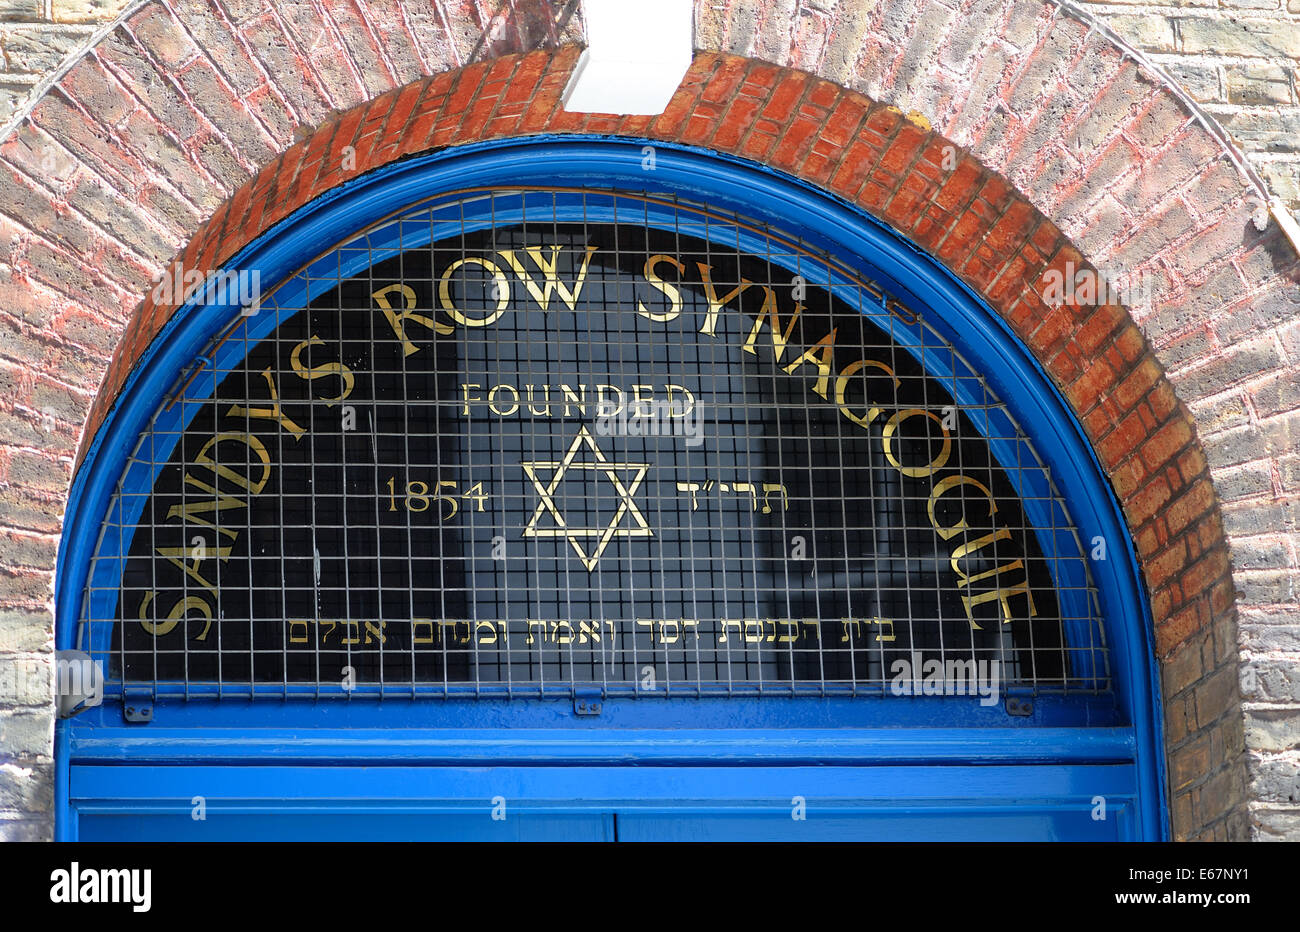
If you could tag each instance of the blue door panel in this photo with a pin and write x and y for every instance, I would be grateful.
(945, 824)
(346, 826)
(1045, 802)
(939, 824)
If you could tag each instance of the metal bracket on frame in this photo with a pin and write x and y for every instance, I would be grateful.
(137, 712)
(1020, 707)
(587, 701)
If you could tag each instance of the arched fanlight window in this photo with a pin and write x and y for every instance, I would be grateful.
(523, 442)
(630, 438)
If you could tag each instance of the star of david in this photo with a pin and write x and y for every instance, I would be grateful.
(602, 535)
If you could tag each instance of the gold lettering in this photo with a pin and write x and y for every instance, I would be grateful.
(416, 637)
(821, 353)
(179, 610)
(974, 546)
(190, 512)
(398, 321)
(546, 396)
(542, 295)
(940, 489)
(915, 472)
(225, 472)
(716, 304)
(500, 289)
(322, 371)
(769, 313)
(272, 413)
(492, 400)
(687, 407)
(579, 399)
(174, 553)
(1000, 593)
(670, 291)
(842, 390)
(642, 406)
(1003, 598)
(604, 400)
(464, 390)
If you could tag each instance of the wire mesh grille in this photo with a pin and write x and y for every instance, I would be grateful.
(527, 443)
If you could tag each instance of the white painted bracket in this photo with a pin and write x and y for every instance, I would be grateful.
(637, 53)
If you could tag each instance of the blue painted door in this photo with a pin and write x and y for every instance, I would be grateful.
(605, 804)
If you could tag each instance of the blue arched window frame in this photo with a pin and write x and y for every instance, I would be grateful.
(823, 222)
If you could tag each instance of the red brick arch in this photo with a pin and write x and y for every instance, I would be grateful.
(970, 218)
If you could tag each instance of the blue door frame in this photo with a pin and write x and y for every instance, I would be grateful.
(934, 761)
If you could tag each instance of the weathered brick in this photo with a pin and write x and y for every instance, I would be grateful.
(1273, 730)
(25, 829)
(85, 11)
(363, 46)
(1247, 37)
(329, 57)
(26, 787)
(163, 35)
(293, 75)
(26, 735)
(39, 48)
(1216, 697)
(26, 680)
(24, 631)
(1151, 32)
(1259, 84)
(22, 10)
(1187, 764)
